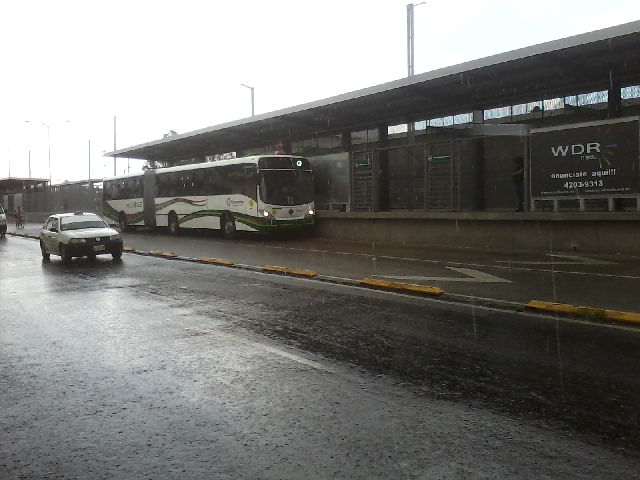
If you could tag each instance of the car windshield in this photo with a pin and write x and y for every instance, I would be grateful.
(78, 223)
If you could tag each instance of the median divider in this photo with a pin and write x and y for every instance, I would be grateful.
(409, 287)
(585, 312)
(156, 253)
(217, 261)
(289, 271)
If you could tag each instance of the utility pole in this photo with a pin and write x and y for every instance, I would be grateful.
(114, 146)
(252, 102)
(411, 37)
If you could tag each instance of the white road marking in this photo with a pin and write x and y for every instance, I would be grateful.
(573, 260)
(270, 349)
(472, 276)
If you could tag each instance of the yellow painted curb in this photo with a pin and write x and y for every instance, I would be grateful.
(163, 254)
(587, 312)
(128, 249)
(217, 261)
(411, 287)
(289, 271)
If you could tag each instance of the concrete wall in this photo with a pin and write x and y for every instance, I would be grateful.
(608, 233)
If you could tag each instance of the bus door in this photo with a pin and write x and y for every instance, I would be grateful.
(149, 198)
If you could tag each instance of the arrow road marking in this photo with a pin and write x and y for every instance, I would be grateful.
(573, 260)
(472, 276)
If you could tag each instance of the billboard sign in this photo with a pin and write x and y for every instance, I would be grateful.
(595, 158)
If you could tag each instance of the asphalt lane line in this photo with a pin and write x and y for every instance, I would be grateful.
(270, 349)
(575, 260)
(472, 276)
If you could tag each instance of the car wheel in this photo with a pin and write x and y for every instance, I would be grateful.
(117, 254)
(64, 254)
(45, 254)
(174, 226)
(228, 226)
(122, 222)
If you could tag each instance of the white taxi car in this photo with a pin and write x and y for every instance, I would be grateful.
(79, 234)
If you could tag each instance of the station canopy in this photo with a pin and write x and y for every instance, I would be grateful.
(583, 63)
(16, 184)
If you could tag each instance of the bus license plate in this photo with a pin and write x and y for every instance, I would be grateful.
(98, 248)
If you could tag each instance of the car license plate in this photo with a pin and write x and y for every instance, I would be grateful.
(98, 248)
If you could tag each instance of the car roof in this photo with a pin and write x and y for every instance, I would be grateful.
(74, 214)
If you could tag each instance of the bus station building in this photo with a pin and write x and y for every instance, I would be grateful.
(428, 159)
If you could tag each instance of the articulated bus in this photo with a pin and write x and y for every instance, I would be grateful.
(261, 193)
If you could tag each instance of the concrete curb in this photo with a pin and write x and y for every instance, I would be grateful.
(411, 287)
(217, 261)
(289, 271)
(584, 312)
(156, 253)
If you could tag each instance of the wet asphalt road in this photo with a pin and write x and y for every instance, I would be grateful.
(153, 368)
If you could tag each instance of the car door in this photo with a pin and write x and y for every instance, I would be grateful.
(45, 234)
(51, 235)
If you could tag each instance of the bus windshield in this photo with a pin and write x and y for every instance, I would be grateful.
(286, 187)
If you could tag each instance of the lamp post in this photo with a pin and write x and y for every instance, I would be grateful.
(410, 36)
(114, 146)
(252, 103)
(49, 149)
(29, 145)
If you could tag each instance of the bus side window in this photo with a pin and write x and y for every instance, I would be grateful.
(198, 182)
(172, 187)
(106, 191)
(221, 181)
(251, 181)
(235, 179)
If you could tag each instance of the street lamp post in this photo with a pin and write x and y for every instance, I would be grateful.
(411, 36)
(252, 98)
(114, 146)
(49, 149)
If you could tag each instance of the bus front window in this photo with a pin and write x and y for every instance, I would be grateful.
(286, 187)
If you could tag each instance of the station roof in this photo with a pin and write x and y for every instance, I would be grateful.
(578, 64)
(13, 183)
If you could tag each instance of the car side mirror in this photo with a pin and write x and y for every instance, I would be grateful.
(53, 229)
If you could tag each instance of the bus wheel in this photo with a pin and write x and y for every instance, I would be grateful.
(174, 227)
(228, 226)
(122, 222)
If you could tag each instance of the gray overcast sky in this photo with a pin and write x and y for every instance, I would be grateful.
(159, 65)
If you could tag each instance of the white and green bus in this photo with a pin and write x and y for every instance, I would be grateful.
(260, 193)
